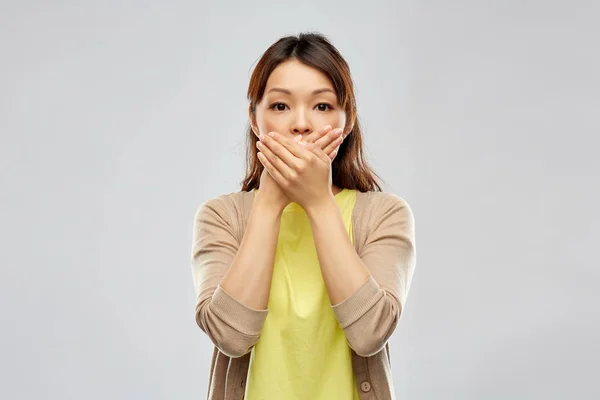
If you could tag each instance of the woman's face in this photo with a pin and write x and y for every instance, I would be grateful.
(298, 99)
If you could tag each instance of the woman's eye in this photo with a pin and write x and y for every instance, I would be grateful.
(323, 107)
(278, 106)
(320, 107)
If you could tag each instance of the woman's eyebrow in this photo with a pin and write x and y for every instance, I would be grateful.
(286, 91)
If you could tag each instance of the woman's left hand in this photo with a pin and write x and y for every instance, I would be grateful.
(302, 171)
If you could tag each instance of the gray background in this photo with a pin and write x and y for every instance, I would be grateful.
(119, 118)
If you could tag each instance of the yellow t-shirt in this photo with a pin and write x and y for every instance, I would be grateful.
(302, 352)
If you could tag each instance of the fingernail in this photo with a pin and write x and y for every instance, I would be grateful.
(327, 128)
(338, 131)
(261, 136)
(298, 137)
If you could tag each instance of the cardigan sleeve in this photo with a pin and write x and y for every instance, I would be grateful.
(232, 326)
(370, 315)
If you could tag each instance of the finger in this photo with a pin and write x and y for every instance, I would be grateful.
(273, 158)
(288, 150)
(333, 145)
(333, 154)
(275, 174)
(321, 155)
(332, 150)
(329, 137)
(317, 134)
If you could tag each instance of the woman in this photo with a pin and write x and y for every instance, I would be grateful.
(302, 276)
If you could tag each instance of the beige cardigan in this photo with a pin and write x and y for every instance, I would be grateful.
(384, 238)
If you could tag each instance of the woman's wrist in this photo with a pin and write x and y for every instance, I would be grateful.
(266, 207)
(326, 205)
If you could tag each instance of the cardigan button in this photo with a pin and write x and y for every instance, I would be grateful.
(365, 386)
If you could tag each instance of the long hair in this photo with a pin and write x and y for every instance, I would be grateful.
(349, 168)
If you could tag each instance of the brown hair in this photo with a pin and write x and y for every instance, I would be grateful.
(349, 168)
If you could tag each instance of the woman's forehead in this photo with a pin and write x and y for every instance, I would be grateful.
(295, 77)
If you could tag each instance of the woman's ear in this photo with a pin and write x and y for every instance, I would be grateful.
(252, 118)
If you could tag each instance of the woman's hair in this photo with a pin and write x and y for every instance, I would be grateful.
(349, 168)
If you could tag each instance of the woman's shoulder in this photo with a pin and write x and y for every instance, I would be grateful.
(230, 200)
(381, 214)
(233, 207)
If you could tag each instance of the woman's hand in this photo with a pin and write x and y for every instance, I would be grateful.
(270, 193)
(303, 172)
(325, 138)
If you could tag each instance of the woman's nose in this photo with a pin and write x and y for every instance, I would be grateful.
(301, 130)
(301, 125)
